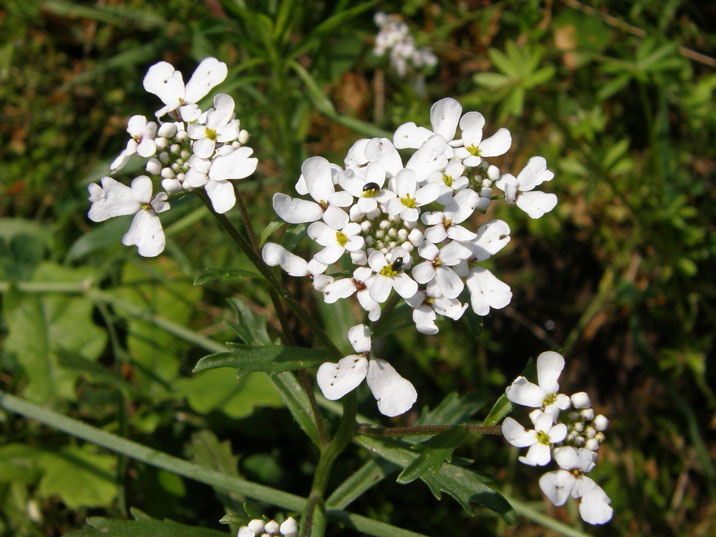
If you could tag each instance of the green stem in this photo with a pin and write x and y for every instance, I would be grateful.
(117, 444)
(342, 438)
(427, 430)
(268, 274)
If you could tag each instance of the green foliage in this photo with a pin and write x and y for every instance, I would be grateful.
(619, 277)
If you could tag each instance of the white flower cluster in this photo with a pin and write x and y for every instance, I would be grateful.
(395, 39)
(405, 227)
(192, 149)
(394, 394)
(260, 528)
(564, 428)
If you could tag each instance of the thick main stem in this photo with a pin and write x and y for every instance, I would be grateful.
(288, 335)
(268, 274)
(316, 506)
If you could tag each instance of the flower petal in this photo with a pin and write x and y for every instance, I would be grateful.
(486, 291)
(359, 337)
(221, 194)
(536, 203)
(395, 395)
(523, 392)
(337, 379)
(209, 73)
(516, 434)
(296, 210)
(146, 233)
(557, 486)
(549, 367)
(166, 83)
(235, 165)
(409, 135)
(497, 144)
(444, 117)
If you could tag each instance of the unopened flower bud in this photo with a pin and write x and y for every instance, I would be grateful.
(601, 423)
(153, 166)
(587, 414)
(581, 400)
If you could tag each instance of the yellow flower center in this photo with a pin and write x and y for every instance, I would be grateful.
(388, 271)
(211, 134)
(549, 399)
(408, 201)
(341, 238)
(447, 179)
(473, 150)
(543, 438)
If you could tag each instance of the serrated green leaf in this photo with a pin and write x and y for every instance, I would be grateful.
(248, 326)
(211, 275)
(267, 358)
(144, 526)
(465, 486)
(434, 452)
(43, 326)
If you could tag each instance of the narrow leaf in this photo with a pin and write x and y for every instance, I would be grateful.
(268, 358)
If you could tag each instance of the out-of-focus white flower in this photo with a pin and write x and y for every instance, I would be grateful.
(394, 394)
(115, 199)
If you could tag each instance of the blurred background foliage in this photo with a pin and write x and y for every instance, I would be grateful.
(619, 97)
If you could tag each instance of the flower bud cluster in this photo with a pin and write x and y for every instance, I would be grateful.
(187, 148)
(407, 227)
(566, 429)
(260, 528)
(394, 39)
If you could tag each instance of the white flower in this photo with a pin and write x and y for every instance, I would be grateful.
(394, 394)
(319, 184)
(389, 275)
(474, 147)
(444, 118)
(444, 224)
(276, 255)
(115, 199)
(367, 186)
(571, 480)
(539, 440)
(451, 180)
(490, 239)
(142, 134)
(345, 287)
(334, 241)
(427, 305)
(486, 291)
(543, 394)
(437, 267)
(519, 190)
(219, 127)
(167, 83)
(408, 197)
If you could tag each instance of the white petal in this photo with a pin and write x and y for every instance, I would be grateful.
(395, 395)
(335, 217)
(557, 433)
(449, 283)
(342, 288)
(536, 203)
(317, 173)
(491, 238)
(497, 144)
(380, 287)
(454, 252)
(112, 199)
(424, 319)
(486, 291)
(322, 233)
(166, 83)
(276, 255)
(549, 367)
(534, 174)
(359, 337)
(368, 304)
(337, 379)
(295, 211)
(409, 135)
(537, 455)
(429, 158)
(222, 112)
(377, 261)
(382, 151)
(449, 307)
(471, 125)
(436, 234)
(444, 117)
(330, 254)
(221, 194)
(566, 457)
(424, 272)
(594, 507)
(146, 148)
(204, 149)
(427, 194)
(142, 188)
(146, 233)
(208, 74)
(404, 285)
(557, 486)
(235, 165)
(523, 392)
(516, 435)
